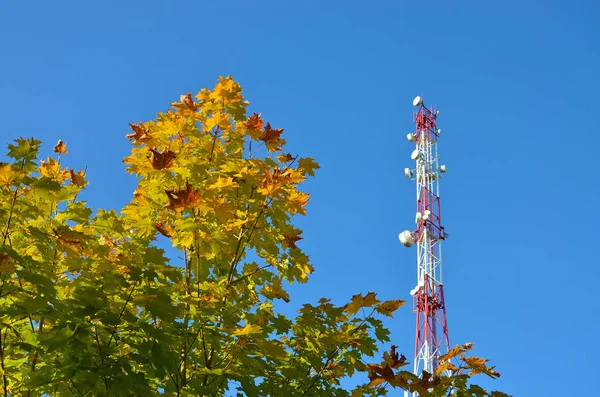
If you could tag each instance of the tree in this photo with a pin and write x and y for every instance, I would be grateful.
(90, 306)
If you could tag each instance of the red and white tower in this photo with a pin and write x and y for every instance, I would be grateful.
(431, 339)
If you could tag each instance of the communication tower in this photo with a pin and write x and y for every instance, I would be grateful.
(431, 339)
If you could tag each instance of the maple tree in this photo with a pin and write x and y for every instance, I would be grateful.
(90, 306)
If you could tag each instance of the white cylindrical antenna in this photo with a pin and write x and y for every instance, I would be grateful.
(415, 154)
(418, 101)
(442, 168)
(411, 136)
(406, 238)
(407, 172)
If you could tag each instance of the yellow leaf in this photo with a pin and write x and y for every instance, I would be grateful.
(60, 147)
(223, 183)
(389, 307)
(6, 174)
(224, 212)
(308, 166)
(456, 351)
(51, 169)
(248, 329)
(217, 119)
(359, 301)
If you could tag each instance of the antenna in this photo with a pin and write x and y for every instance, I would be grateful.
(431, 340)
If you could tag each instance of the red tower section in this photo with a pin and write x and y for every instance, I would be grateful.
(431, 339)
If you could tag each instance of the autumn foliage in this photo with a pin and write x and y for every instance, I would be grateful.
(90, 306)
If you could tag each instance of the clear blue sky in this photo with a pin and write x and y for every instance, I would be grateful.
(517, 86)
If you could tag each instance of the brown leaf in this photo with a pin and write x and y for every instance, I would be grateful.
(162, 229)
(140, 133)
(5, 263)
(254, 122)
(291, 235)
(162, 160)
(60, 147)
(78, 178)
(393, 359)
(181, 198)
(186, 102)
(271, 135)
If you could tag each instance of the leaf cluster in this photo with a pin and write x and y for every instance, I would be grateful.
(89, 305)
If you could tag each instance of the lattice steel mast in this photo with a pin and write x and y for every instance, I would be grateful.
(431, 340)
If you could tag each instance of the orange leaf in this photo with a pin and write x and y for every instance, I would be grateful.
(186, 102)
(140, 133)
(60, 147)
(271, 137)
(254, 122)
(164, 230)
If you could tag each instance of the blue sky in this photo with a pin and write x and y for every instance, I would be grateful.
(516, 84)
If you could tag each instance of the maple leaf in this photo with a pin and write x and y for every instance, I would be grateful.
(393, 359)
(272, 137)
(6, 174)
(248, 329)
(254, 122)
(51, 169)
(140, 133)
(308, 166)
(70, 239)
(181, 198)
(388, 307)
(224, 211)
(164, 230)
(291, 235)
(274, 291)
(60, 147)
(186, 102)
(162, 160)
(359, 301)
(285, 158)
(6, 265)
(78, 178)
(456, 351)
